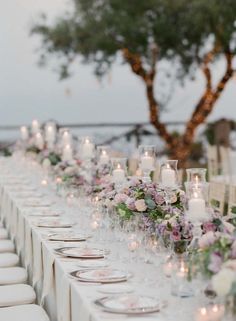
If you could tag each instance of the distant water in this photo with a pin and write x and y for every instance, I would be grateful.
(101, 136)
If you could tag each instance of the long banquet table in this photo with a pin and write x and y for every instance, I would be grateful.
(64, 298)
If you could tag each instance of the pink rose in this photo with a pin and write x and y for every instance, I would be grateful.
(140, 205)
(130, 202)
(120, 198)
(206, 240)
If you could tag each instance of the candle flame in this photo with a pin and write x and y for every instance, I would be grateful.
(196, 179)
(203, 311)
(146, 153)
(215, 308)
(104, 152)
(118, 166)
(168, 166)
(87, 141)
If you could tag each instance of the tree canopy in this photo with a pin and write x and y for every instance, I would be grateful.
(192, 33)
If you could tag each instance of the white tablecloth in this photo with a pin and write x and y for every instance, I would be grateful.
(64, 298)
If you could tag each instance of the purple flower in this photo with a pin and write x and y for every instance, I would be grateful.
(215, 262)
(208, 226)
(120, 198)
(175, 235)
(159, 199)
(130, 202)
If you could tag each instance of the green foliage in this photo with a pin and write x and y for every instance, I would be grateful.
(7, 152)
(33, 149)
(54, 158)
(124, 212)
(98, 30)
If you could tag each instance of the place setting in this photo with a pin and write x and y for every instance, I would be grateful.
(101, 275)
(53, 222)
(130, 304)
(85, 253)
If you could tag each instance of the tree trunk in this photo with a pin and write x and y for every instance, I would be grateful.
(180, 148)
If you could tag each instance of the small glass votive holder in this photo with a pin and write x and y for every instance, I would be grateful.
(181, 285)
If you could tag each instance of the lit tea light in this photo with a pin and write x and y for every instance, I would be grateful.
(213, 312)
(58, 180)
(24, 133)
(44, 182)
(168, 268)
(94, 225)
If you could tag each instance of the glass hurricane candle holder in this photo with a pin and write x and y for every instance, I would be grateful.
(50, 133)
(24, 133)
(196, 179)
(86, 148)
(35, 126)
(169, 175)
(196, 175)
(147, 159)
(103, 155)
(65, 137)
(119, 171)
(39, 141)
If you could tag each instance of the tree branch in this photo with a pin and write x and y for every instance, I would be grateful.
(208, 100)
(136, 65)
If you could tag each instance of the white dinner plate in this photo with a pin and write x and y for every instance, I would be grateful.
(53, 223)
(68, 237)
(101, 275)
(130, 304)
(82, 253)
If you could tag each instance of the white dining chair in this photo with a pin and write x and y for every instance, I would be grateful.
(3, 233)
(232, 199)
(13, 275)
(16, 294)
(29, 312)
(217, 192)
(212, 161)
(7, 246)
(8, 260)
(225, 160)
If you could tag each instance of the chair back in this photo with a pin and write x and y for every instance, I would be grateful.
(217, 193)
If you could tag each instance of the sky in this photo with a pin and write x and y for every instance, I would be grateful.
(27, 91)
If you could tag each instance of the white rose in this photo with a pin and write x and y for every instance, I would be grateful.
(70, 170)
(140, 205)
(222, 281)
(46, 163)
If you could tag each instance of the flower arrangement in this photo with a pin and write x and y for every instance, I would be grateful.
(147, 198)
(215, 259)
